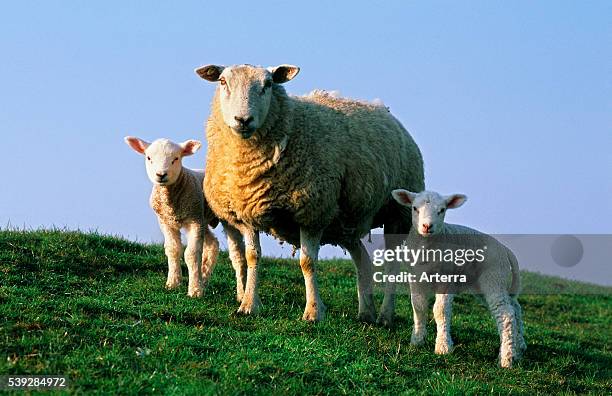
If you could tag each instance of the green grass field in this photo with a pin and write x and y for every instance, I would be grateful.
(94, 308)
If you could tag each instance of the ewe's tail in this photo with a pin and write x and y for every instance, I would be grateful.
(515, 287)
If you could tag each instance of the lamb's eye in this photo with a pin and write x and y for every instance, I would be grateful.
(174, 160)
(415, 210)
(442, 210)
(148, 158)
(222, 81)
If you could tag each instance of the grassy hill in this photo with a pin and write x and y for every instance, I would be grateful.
(94, 308)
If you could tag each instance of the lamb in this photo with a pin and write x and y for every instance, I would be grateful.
(309, 170)
(178, 201)
(488, 275)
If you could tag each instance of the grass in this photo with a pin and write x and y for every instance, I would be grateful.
(94, 308)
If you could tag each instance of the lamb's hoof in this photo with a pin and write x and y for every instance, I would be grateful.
(249, 308)
(418, 339)
(386, 319)
(314, 312)
(239, 297)
(443, 348)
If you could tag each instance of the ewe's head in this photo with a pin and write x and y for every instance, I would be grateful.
(428, 208)
(163, 158)
(245, 93)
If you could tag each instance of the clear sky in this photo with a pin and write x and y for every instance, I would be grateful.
(510, 102)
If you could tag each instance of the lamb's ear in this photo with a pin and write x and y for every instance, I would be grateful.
(190, 147)
(403, 197)
(283, 73)
(137, 144)
(455, 200)
(210, 72)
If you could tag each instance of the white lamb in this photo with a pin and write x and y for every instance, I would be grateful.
(178, 200)
(489, 276)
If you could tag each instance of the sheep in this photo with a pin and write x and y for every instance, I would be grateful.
(178, 201)
(487, 275)
(309, 170)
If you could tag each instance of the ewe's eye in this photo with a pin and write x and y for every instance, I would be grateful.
(148, 158)
(222, 81)
(415, 209)
(441, 210)
(174, 160)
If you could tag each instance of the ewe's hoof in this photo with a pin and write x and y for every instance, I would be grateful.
(386, 320)
(170, 285)
(366, 317)
(443, 348)
(418, 339)
(195, 293)
(249, 307)
(314, 312)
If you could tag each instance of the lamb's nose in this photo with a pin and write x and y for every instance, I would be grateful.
(244, 121)
(162, 175)
(426, 227)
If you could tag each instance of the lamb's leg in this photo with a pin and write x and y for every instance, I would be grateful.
(210, 253)
(518, 313)
(193, 259)
(173, 249)
(361, 259)
(393, 238)
(501, 307)
(442, 314)
(309, 252)
(420, 305)
(235, 246)
(250, 301)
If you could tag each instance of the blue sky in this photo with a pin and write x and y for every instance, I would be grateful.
(510, 102)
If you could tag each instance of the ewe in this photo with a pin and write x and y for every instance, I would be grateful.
(309, 170)
(487, 276)
(178, 200)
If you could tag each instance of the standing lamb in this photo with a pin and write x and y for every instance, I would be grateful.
(488, 276)
(178, 200)
(309, 170)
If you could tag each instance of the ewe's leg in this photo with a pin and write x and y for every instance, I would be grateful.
(210, 252)
(420, 304)
(315, 310)
(235, 246)
(250, 302)
(173, 248)
(501, 307)
(442, 314)
(518, 314)
(393, 238)
(193, 259)
(361, 259)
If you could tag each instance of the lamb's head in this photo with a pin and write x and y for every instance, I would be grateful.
(428, 208)
(245, 93)
(163, 158)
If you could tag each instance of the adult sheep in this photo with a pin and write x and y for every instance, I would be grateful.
(309, 170)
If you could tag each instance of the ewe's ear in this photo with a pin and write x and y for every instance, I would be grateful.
(190, 147)
(455, 200)
(283, 73)
(403, 197)
(138, 145)
(210, 72)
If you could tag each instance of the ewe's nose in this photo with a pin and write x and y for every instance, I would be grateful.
(244, 122)
(426, 228)
(161, 175)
